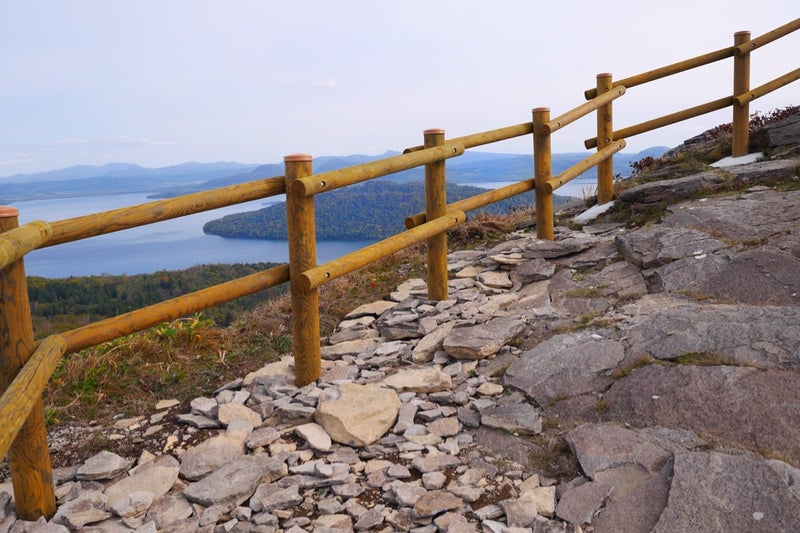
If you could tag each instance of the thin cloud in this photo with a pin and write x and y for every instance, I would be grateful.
(123, 140)
(326, 84)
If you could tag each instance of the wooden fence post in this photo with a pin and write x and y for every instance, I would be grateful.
(302, 257)
(741, 84)
(28, 457)
(605, 169)
(435, 207)
(542, 172)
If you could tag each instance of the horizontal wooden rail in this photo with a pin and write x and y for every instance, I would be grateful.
(668, 70)
(311, 279)
(26, 388)
(582, 166)
(768, 87)
(335, 179)
(479, 200)
(666, 120)
(485, 137)
(767, 38)
(584, 109)
(139, 319)
(15, 243)
(73, 229)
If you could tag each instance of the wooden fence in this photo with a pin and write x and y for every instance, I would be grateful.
(26, 366)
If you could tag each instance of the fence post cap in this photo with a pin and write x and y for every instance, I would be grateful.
(743, 32)
(6, 211)
(291, 158)
(433, 131)
(540, 109)
(604, 75)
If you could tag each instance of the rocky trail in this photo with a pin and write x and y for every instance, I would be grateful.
(614, 379)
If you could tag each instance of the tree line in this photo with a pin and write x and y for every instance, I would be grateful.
(62, 304)
(371, 211)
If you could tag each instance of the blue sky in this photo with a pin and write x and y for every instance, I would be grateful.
(164, 82)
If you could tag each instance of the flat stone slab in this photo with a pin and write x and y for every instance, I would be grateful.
(758, 171)
(156, 477)
(723, 403)
(660, 245)
(574, 243)
(634, 464)
(516, 418)
(620, 279)
(430, 379)
(741, 219)
(638, 499)
(763, 336)
(371, 309)
(762, 276)
(103, 465)
(535, 270)
(482, 340)
(602, 446)
(660, 191)
(235, 482)
(565, 365)
(357, 415)
(354, 347)
(578, 505)
(716, 492)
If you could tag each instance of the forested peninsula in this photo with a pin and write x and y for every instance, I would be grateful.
(370, 211)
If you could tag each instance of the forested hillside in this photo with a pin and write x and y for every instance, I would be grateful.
(371, 211)
(61, 304)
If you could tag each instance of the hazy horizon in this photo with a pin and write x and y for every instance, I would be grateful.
(158, 84)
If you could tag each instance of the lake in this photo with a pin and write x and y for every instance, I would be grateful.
(171, 245)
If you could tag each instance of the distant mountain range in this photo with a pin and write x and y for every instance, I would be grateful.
(122, 178)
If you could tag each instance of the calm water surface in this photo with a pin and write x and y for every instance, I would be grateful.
(170, 245)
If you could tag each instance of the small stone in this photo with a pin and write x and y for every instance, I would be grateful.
(489, 512)
(166, 404)
(520, 512)
(523, 418)
(296, 413)
(269, 497)
(431, 463)
(333, 522)
(376, 308)
(453, 522)
(405, 417)
(127, 423)
(104, 465)
(497, 279)
(370, 519)
(228, 412)
(545, 499)
(445, 427)
(407, 494)
(490, 389)
(433, 480)
(198, 421)
(469, 417)
(435, 502)
(315, 435)
(398, 471)
(430, 379)
(262, 437)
